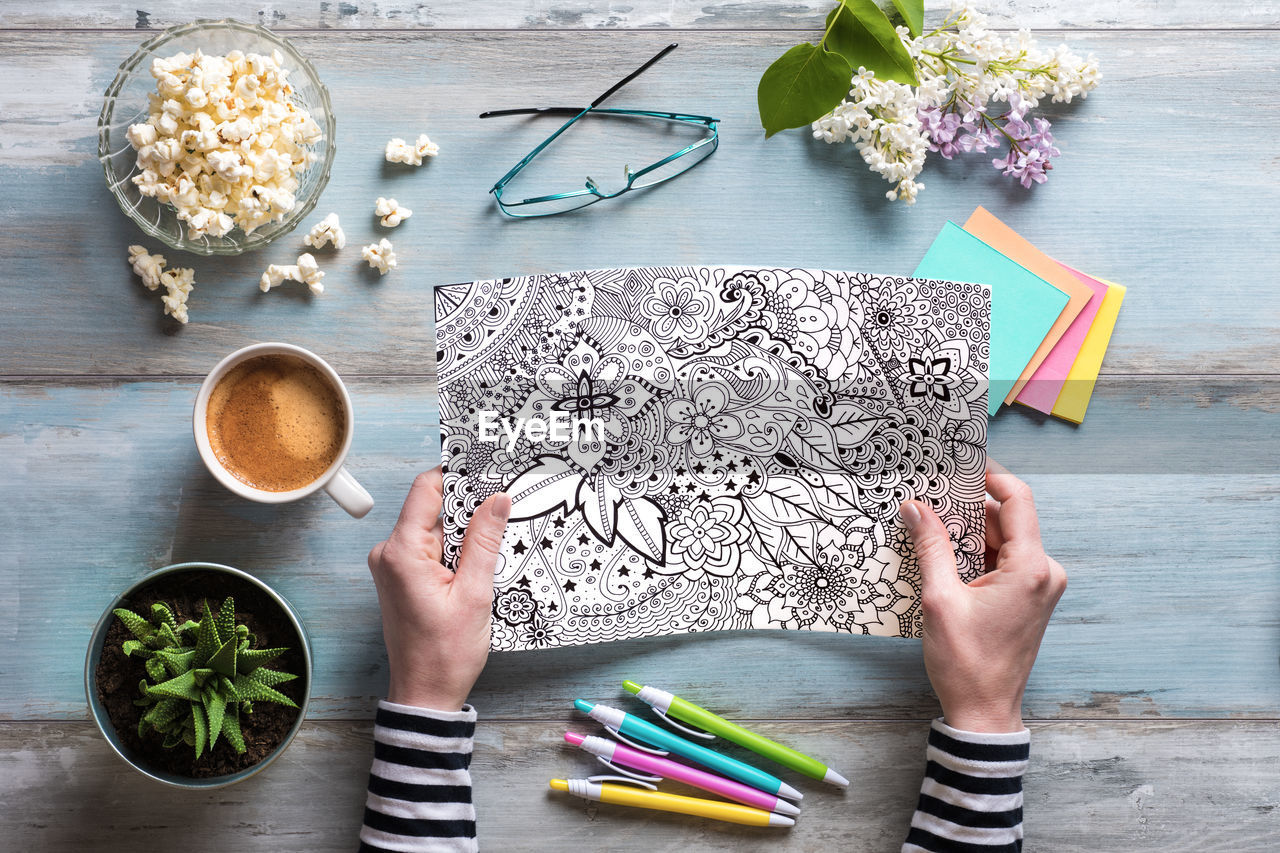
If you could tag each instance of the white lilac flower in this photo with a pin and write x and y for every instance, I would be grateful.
(962, 66)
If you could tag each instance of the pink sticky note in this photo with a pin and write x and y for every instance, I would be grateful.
(1041, 392)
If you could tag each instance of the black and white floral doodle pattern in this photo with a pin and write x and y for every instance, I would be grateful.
(757, 430)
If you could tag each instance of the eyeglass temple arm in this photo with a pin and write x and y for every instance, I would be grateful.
(575, 110)
(634, 74)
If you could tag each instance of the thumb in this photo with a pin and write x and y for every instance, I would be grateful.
(480, 546)
(933, 546)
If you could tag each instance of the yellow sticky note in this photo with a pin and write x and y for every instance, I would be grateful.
(1076, 391)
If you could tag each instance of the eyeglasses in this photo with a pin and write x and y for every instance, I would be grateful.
(665, 169)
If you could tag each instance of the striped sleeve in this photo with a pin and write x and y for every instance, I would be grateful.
(971, 798)
(420, 784)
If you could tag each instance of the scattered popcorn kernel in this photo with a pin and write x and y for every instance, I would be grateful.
(146, 266)
(276, 275)
(306, 271)
(380, 256)
(309, 273)
(178, 283)
(399, 151)
(324, 232)
(391, 212)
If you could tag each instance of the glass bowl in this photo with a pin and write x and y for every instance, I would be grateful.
(126, 104)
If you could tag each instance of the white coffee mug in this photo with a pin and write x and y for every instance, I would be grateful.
(335, 480)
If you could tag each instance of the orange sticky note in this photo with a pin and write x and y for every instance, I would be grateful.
(990, 230)
(1076, 391)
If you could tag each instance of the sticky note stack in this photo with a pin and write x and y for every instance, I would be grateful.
(1050, 324)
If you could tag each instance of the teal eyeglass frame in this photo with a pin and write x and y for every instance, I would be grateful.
(591, 193)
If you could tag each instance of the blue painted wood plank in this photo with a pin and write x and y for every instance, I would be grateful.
(1134, 198)
(1171, 610)
(592, 14)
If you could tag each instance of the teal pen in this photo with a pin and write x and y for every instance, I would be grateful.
(630, 726)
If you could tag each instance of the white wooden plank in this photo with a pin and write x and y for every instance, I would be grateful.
(1191, 787)
(592, 14)
(1136, 197)
(1162, 507)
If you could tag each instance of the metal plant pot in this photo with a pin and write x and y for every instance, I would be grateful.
(108, 730)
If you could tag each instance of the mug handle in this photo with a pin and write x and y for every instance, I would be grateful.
(349, 494)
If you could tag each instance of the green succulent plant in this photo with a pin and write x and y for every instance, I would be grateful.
(201, 676)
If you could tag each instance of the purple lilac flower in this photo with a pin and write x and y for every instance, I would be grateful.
(941, 128)
(1031, 147)
(979, 140)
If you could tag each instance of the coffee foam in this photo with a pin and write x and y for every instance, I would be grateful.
(275, 422)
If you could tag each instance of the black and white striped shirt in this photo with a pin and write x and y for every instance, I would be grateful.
(971, 798)
(420, 787)
(420, 783)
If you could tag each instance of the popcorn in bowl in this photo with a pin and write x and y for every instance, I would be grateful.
(224, 142)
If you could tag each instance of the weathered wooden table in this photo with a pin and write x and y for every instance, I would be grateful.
(1154, 702)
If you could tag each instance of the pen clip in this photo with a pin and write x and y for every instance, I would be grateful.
(629, 742)
(622, 779)
(625, 772)
(666, 718)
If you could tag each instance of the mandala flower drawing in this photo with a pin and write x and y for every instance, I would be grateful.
(700, 421)
(679, 310)
(736, 444)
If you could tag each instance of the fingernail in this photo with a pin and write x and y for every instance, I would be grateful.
(501, 508)
(911, 514)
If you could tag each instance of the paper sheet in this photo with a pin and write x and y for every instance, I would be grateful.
(1042, 391)
(1024, 307)
(990, 230)
(758, 429)
(1078, 389)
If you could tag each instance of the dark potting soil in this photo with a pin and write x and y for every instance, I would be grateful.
(118, 675)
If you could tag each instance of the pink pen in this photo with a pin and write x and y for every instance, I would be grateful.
(609, 751)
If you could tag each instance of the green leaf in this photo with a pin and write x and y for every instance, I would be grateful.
(165, 638)
(165, 712)
(155, 669)
(226, 622)
(247, 688)
(184, 686)
(172, 739)
(250, 660)
(129, 647)
(860, 31)
(177, 662)
(206, 637)
(215, 710)
(804, 84)
(201, 728)
(271, 676)
(912, 12)
(162, 615)
(231, 728)
(224, 660)
(137, 626)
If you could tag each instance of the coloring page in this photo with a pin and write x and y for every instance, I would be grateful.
(711, 448)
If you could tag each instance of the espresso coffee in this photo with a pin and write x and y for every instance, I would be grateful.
(275, 422)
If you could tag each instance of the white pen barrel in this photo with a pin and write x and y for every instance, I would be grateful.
(660, 700)
(585, 788)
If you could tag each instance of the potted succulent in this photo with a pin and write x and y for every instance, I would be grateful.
(199, 675)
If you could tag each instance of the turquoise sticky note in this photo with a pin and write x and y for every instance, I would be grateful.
(1024, 306)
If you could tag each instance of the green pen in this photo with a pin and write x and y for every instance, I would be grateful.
(667, 706)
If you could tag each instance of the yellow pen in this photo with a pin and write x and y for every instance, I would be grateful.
(626, 795)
